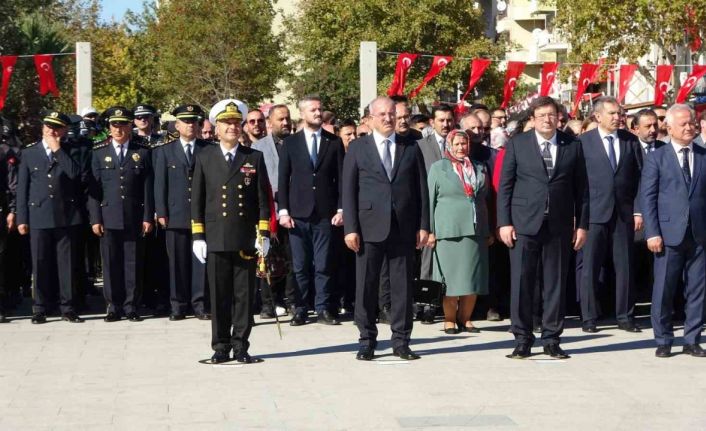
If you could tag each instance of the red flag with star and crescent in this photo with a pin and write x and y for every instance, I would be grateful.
(697, 73)
(514, 70)
(626, 73)
(47, 83)
(588, 71)
(437, 65)
(8, 66)
(404, 63)
(478, 67)
(663, 74)
(548, 76)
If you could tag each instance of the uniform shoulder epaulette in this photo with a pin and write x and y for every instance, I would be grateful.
(31, 144)
(101, 144)
(141, 143)
(160, 143)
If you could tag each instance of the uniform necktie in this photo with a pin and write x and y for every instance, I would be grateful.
(50, 156)
(229, 159)
(387, 158)
(188, 153)
(312, 150)
(547, 156)
(611, 153)
(685, 166)
(120, 154)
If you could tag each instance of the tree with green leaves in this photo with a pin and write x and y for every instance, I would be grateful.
(324, 37)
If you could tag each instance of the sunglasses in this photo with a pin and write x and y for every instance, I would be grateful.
(255, 121)
(119, 123)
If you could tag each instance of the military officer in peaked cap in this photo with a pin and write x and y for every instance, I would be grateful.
(144, 127)
(48, 209)
(121, 207)
(174, 170)
(230, 203)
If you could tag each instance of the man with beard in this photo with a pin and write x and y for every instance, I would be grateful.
(255, 126)
(271, 145)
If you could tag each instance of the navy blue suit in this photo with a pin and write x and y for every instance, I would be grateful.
(675, 212)
(610, 204)
(48, 200)
(172, 197)
(121, 198)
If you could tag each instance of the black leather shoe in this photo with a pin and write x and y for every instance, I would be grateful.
(175, 317)
(219, 357)
(428, 317)
(471, 329)
(365, 353)
(244, 358)
(72, 317)
(327, 318)
(111, 317)
(555, 351)
(589, 327)
(405, 353)
(521, 351)
(629, 327)
(663, 351)
(133, 317)
(298, 319)
(38, 318)
(203, 316)
(267, 313)
(694, 350)
(384, 316)
(451, 331)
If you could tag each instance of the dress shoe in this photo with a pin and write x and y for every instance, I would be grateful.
(267, 313)
(175, 317)
(428, 317)
(629, 326)
(298, 319)
(471, 329)
(694, 350)
(244, 358)
(72, 317)
(589, 327)
(203, 316)
(111, 317)
(327, 318)
(133, 317)
(365, 353)
(38, 318)
(493, 316)
(405, 353)
(663, 351)
(219, 357)
(521, 351)
(452, 330)
(555, 351)
(384, 316)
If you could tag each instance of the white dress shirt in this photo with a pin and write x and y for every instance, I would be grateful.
(381, 147)
(645, 146)
(232, 151)
(307, 135)
(616, 143)
(441, 142)
(47, 150)
(552, 145)
(193, 144)
(677, 149)
(116, 146)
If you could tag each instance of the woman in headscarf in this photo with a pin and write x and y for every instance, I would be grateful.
(460, 230)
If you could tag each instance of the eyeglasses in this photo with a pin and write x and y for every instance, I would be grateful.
(256, 120)
(142, 117)
(543, 116)
(500, 117)
(119, 123)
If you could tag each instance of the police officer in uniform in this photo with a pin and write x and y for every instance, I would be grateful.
(174, 169)
(230, 199)
(121, 207)
(48, 209)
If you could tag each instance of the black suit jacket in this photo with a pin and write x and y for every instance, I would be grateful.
(305, 190)
(608, 190)
(228, 203)
(172, 182)
(524, 185)
(369, 197)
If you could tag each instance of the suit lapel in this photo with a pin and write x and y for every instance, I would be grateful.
(323, 147)
(623, 144)
(537, 155)
(240, 158)
(560, 149)
(399, 150)
(371, 153)
(697, 170)
(180, 154)
(675, 162)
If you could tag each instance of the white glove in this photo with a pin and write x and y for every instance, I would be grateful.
(263, 249)
(200, 250)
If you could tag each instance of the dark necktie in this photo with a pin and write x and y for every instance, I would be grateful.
(188, 153)
(312, 150)
(229, 159)
(611, 153)
(120, 154)
(547, 156)
(387, 158)
(685, 166)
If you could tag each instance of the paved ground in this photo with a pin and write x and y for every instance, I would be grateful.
(147, 375)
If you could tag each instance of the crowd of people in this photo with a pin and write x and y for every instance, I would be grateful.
(249, 212)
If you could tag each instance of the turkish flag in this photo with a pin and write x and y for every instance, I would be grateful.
(8, 65)
(697, 72)
(514, 70)
(404, 62)
(478, 67)
(437, 65)
(626, 73)
(548, 75)
(663, 74)
(47, 83)
(588, 71)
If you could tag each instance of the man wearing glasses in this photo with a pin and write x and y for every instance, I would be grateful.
(255, 126)
(144, 124)
(121, 206)
(498, 119)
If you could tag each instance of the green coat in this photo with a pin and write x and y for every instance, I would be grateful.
(452, 212)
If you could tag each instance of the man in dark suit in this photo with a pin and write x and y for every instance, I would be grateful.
(174, 169)
(230, 204)
(121, 207)
(386, 208)
(613, 161)
(673, 195)
(540, 199)
(48, 196)
(309, 205)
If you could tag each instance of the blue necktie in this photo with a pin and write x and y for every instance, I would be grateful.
(611, 153)
(312, 150)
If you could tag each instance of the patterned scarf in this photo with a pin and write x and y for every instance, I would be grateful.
(465, 172)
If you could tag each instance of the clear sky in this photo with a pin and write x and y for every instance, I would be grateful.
(117, 8)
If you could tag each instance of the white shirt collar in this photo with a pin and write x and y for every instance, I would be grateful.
(115, 145)
(541, 140)
(379, 138)
(678, 147)
(438, 137)
(231, 151)
(308, 132)
(185, 143)
(603, 133)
